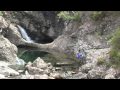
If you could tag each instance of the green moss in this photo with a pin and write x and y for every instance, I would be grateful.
(97, 15)
(69, 15)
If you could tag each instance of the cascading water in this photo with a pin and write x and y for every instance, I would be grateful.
(24, 34)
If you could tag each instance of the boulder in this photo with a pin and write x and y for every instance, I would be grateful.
(8, 71)
(19, 65)
(2, 76)
(10, 31)
(79, 75)
(55, 75)
(110, 73)
(8, 51)
(86, 67)
(39, 63)
(96, 73)
(14, 36)
(44, 76)
(35, 70)
(109, 76)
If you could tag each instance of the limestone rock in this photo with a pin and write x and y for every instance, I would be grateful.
(80, 75)
(35, 70)
(44, 76)
(111, 71)
(3, 23)
(109, 76)
(8, 71)
(55, 75)
(8, 50)
(85, 68)
(39, 63)
(2, 76)
(96, 73)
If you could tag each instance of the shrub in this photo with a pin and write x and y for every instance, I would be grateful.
(1, 14)
(69, 15)
(101, 61)
(96, 15)
(115, 50)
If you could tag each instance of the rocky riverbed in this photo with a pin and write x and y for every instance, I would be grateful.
(51, 34)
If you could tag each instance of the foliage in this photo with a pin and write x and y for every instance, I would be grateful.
(101, 61)
(96, 15)
(115, 51)
(1, 14)
(69, 15)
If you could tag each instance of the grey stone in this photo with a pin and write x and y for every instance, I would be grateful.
(40, 63)
(8, 50)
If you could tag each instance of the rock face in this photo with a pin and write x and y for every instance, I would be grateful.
(13, 35)
(10, 31)
(42, 26)
(8, 50)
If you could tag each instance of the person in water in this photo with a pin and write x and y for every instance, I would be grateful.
(81, 55)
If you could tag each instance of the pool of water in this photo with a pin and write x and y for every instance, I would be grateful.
(66, 61)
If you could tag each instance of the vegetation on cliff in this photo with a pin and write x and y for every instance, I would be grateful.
(115, 51)
(69, 15)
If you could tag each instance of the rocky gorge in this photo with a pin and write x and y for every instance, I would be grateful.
(64, 39)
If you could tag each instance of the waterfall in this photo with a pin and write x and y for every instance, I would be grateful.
(24, 34)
